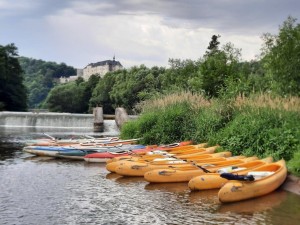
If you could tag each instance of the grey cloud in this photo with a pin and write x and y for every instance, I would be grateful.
(28, 24)
(250, 16)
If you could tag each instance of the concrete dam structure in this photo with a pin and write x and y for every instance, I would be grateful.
(58, 120)
(95, 121)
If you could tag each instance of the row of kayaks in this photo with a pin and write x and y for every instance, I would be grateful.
(202, 168)
(86, 140)
(80, 149)
(93, 151)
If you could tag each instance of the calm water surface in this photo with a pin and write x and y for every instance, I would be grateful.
(41, 190)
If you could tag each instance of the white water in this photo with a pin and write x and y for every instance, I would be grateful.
(57, 120)
(65, 122)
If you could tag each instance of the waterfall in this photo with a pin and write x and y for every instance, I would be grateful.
(110, 128)
(56, 120)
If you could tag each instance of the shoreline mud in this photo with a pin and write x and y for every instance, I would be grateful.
(292, 184)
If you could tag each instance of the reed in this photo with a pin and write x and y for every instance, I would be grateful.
(265, 100)
(196, 101)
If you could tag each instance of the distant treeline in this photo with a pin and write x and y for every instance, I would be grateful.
(40, 77)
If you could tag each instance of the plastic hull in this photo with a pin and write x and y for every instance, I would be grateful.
(185, 175)
(234, 191)
(214, 180)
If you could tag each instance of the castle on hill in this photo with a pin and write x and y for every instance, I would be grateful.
(98, 68)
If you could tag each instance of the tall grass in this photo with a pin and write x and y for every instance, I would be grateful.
(195, 101)
(260, 125)
(268, 101)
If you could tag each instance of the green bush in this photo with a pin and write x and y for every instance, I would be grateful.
(210, 120)
(142, 127)
(294, 163)
(166, 125)
(260, 125)
(261, 132)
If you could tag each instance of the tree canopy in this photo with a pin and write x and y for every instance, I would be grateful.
(40, 77)
(13, 96)
(281, 58)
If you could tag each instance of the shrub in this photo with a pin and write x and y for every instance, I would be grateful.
(261, 132)
(294, 163)
(210, 120)
(172, 123)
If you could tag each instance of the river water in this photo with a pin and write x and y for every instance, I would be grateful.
(42, 190)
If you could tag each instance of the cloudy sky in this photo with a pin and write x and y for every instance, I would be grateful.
(149, 32)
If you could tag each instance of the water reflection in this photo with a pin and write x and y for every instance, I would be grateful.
(45, 190)
(206, 196)
(8, 150)
(112, 176)
(130, 180)
(167, 187)
(263, 203)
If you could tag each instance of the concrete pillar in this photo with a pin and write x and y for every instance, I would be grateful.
(121, 116)
(98, 119)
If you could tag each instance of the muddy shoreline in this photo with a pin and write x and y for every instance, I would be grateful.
(292, 184)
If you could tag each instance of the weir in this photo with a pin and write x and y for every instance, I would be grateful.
(96, 121)
(46, 119)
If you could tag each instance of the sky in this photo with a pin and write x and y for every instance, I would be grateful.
(149, 32)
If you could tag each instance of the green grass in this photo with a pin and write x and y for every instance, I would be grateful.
(259, 125)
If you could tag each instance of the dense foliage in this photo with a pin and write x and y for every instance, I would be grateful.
(12, 91)
(281, 58)
(258, 125)
(40, 77)
(71, 97)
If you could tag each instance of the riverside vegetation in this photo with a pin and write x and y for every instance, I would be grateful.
(259, 125)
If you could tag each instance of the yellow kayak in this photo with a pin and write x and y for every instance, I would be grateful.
(214, 180)
(201, 157)
(112, 165)
(181, 174)
(128, 168)
(262, 180)
(160, 152)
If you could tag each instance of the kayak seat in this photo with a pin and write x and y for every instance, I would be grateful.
(260, 174)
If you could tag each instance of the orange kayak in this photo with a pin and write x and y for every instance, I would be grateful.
(214, 180)
(264, 180)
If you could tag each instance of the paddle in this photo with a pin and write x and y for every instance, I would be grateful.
(194, 164)
(53, 138)
(202, 168)
(88, 136)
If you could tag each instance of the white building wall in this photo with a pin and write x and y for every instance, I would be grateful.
(90, 70)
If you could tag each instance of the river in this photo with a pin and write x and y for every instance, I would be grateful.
(42, 190)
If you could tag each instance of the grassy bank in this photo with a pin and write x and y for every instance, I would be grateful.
(260, 125)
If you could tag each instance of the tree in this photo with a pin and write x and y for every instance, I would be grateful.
(67, 98)
(101, 92)
(40, 77)
(217, 66)
(180, 75)
(213, 46)
(13, 96)
(281, 58)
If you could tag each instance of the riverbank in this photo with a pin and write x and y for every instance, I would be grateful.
(260, 125)
(292, 184)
